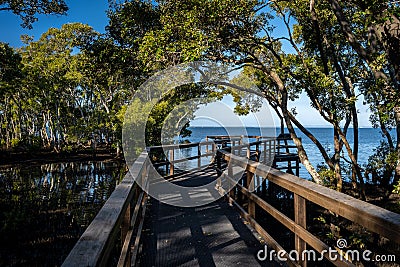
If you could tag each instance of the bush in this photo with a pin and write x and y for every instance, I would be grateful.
(15, 143)
(327, 175)
(381, 165)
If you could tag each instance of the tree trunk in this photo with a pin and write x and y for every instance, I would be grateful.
(338, 175)
(300, 149)
(307, 133)
(350, 93)
(397, 118)
(354, 162)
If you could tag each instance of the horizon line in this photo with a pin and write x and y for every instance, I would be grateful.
(256, 126)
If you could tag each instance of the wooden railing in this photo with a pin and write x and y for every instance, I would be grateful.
(373, 218)
(167, 154)
(121, 218)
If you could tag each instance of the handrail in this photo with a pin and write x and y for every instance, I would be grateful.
(115, 218)
(176, 146)
(172, 161)
(373, 218)
(239, 136)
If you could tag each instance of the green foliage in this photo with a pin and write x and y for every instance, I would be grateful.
(15, 142)
(71, 88)
(381, 165)
(396, 188)
(359, 241)
(327, 175)
(156, 124)
(27, 10)
(10, 66)
(62, 91)
(130, 22)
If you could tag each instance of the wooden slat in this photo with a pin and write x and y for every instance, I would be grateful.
(125, 226)
(128, 239)
(300, 218)
(250, 186)
(135, 248)
(125, 250)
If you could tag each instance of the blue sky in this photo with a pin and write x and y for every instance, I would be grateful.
(93, 12)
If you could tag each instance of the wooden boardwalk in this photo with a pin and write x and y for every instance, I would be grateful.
(134, 229)
(209, 235)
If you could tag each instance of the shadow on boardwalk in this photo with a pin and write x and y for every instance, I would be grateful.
(210, 235)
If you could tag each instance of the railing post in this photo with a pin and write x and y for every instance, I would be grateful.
(300, 217)
(251, 205)
(232, 191)
(270, 150)
(257, 151)
(171, 159)
(248, 151)
(144, 174)
(265, 152)
(125, 225)
(213, 147)
(199, 155)
(219, 162)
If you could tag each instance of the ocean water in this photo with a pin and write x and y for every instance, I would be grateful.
(369, 139)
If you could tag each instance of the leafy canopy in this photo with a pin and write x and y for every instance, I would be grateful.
(28, 9)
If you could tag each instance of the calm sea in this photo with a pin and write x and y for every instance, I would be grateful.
(369, 139)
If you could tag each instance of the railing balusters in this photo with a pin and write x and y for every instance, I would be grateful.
(126, 224)
(269, 151)
(265, 152)
(232, 191)
(249, 183)
(257, 151)
(369, 216)
(219, 162)
(171, 160)
(199, 155)
(300, 217)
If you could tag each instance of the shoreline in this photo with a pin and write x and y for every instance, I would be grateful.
(13, 158)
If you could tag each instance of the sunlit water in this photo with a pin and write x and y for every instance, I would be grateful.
(369, 139)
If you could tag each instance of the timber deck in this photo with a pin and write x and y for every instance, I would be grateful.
(209, 235)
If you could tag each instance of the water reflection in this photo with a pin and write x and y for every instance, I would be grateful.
(45, 208)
